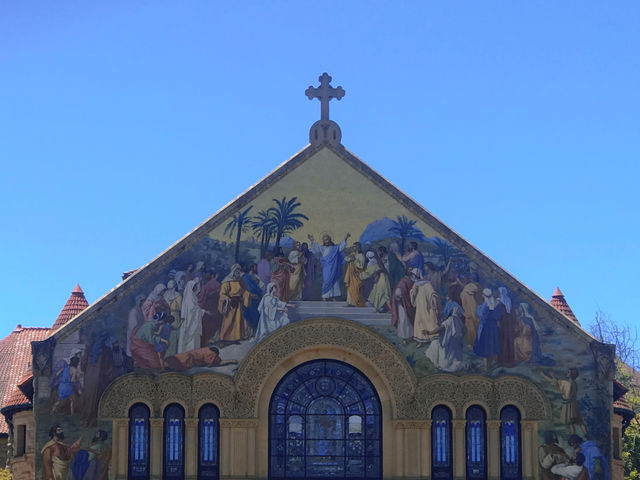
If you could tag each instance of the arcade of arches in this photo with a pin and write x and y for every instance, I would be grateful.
(345, 392)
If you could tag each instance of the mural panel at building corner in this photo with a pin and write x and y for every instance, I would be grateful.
(267, 267)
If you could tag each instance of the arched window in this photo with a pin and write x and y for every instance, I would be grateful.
(325, 422)
(208, 442)
(476, 441)
(173, 457)
(510, 460)
(441, 461)
(139, 442)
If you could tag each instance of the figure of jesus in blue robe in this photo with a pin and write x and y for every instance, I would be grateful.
(332, 259)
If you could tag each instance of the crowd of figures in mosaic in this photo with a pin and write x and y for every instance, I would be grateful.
(265, 268)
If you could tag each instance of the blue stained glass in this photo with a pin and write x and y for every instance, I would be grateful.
(329, 441)
(139, 442)
(510, 463)
(475, 443)
(208, 434)
(441, 442)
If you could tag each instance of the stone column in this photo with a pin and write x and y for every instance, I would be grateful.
(120, 448)
(459, 452)
(529, 449)
(493, 449)
(155, 449)
(238, 447)
(425, 434)
(191, 448)
(225, 447)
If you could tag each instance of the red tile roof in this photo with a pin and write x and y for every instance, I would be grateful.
(558, 301)
(15, 360)
(76, 304)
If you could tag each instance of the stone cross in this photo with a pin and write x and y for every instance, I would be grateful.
(324, 93)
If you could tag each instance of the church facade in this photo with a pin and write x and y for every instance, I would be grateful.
(323, 325)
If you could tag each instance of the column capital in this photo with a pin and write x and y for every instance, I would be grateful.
(239, 422)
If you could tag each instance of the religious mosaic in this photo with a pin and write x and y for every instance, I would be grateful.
(324, 241)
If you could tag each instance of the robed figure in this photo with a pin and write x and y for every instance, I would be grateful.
(352, 280)
(273, 313)
(191, 329)
(331, 257)
(208, 299)
(255, 286)
(402, 310)
(234, 295)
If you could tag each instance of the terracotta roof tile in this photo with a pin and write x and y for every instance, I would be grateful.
(558, 301)
(76, 304)
(15, 360)
(16, 398)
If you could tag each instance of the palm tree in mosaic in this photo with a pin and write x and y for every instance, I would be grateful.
(405, 229)
(286, 218)
(238, 225)
(264, 225)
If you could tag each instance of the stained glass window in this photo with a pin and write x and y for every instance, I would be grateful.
(441, 463)
(476, 443)
(208, 442)
(173, 442)
(325, 422)
(139, 442)
(510, 463)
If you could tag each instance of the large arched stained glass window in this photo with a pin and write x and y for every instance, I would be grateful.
(139, 442)
(173, 457)
(208, 442)
(325, 422)
(441, 461)
(510, 460)
(476, 443)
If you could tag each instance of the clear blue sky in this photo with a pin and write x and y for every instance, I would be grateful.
(124, 125)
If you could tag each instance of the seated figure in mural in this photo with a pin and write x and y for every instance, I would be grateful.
(594, 461)
(574, 470)
(551, 454)
(402, 310)
(57, 456)
(446, 352)
(427, 304)
(380, 295)
(352, 280)
(568, 388)
(331, 258)
(201, 357)
(487, 343)
(296, 277)
(92, 463)
(273, 313)
(155, 302)
(234, 297)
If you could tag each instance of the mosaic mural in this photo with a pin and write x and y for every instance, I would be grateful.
(322, 242)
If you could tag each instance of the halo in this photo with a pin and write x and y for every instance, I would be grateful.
(326, 232)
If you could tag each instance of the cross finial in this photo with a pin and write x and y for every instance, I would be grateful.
(324, 130)
(324, 93)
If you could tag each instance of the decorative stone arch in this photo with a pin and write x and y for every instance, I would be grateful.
(158, 391)
(492, 394)
(334, 338)
(323, 338)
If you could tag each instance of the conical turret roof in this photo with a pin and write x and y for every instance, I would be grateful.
(559, 302)
(76, 304)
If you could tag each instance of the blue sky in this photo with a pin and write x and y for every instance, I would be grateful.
(124, 125)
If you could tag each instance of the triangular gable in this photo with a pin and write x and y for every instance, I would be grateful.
(145, 273)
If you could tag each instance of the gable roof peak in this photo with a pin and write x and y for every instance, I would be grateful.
(559, 302)
(75, 304)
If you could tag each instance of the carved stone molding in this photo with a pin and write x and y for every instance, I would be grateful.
(322, 332)
(411, 424)
(491, 393)
(158, 391)
(239, 422)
